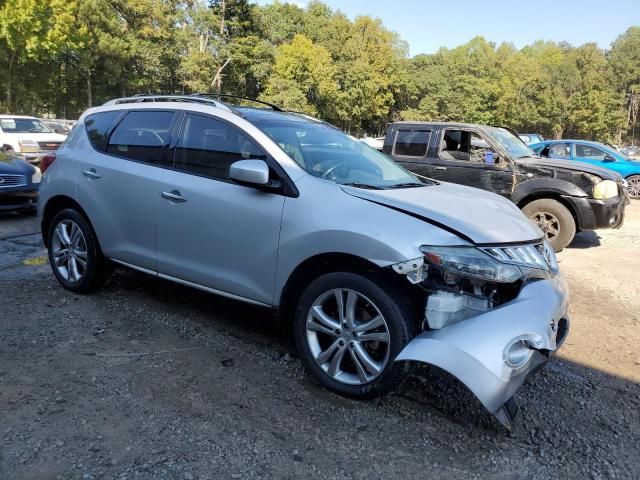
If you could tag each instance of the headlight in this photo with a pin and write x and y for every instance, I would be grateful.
(605, 189)
(471, 262)
(495, 264)
(29, 146)
(37, 176)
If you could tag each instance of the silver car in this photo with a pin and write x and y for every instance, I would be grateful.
(375, 267)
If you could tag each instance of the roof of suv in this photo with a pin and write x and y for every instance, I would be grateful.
(186, 102)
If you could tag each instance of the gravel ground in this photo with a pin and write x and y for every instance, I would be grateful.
(150, 380)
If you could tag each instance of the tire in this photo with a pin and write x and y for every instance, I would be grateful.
(554, 219)
(92, 270)
(373, 298)
(634, 186)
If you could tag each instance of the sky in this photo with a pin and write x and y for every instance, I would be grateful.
(429, 24)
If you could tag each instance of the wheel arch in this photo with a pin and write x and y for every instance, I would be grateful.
(323, 263)
(550, 196)
(51, 209)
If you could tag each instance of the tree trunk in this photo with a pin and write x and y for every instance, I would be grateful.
(10, 82)
(89, 88)
(224, 5)
(217, 79)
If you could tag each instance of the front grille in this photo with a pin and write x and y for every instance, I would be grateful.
(8, 180)
(539, 255)
(47, 146)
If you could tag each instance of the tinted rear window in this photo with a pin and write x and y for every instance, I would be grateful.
(412, 143)
(98, 126)
(143, 136)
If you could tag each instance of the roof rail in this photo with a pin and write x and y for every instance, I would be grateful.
(145, 98)
(239, 97)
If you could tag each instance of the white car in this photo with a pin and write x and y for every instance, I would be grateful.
(27, 137)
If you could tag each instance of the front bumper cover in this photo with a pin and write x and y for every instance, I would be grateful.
(594, 214)
(473, 350)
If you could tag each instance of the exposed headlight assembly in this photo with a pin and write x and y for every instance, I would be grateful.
(494, 264)
(470, 262)
(605, 189)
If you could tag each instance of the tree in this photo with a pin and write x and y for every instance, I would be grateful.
(31, 30)
(624, 65)
(303, 78)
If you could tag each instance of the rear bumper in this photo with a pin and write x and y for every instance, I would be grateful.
(476, 350)
(594, 214)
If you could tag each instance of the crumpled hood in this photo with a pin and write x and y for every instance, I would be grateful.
(475, 215)
(601, 172)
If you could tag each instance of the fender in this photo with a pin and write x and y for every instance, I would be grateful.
(538, 186)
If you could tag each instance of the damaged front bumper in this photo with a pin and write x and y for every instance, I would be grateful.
(493, 353)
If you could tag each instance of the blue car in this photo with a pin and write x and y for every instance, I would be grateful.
(595, 153)
(19, 182)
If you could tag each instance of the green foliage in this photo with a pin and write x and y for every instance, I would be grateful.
(60, 56)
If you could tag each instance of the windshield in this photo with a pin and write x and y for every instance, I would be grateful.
(23, 125)
(512, 144)
(326, 152)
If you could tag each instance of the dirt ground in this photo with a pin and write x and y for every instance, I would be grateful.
(150, 380)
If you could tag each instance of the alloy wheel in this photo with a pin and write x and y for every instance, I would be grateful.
(348, 336)
(634, 186)
(548, 223)
(69, 249)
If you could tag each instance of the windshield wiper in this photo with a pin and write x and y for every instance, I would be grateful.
(407, 185)
(362, 185)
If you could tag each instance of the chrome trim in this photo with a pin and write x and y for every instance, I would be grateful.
(191, 284)
(12, 180)
(135, 267)
(534, 255)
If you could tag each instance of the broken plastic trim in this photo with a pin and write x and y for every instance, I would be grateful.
(413, 269)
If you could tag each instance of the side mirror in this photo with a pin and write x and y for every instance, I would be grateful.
(609, 158)
(250, 172)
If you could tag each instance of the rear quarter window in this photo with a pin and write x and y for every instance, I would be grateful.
(98, 125)
(411, 143)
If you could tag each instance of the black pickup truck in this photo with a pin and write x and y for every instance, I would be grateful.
(561, 197)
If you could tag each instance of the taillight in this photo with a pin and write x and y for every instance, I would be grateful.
(46, 161)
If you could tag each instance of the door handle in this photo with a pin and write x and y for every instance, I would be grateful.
(174, 196)
(91, 173)
(441, 168)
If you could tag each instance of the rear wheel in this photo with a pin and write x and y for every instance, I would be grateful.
(634, 186)
(554, 219)
(349, 329)
(74, 254)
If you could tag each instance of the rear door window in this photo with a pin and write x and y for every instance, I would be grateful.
(590, 152)
(207, 147)
(143, 136)
(411, 143)
(98, 126)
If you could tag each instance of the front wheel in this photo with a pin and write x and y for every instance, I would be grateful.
(349, 328)
(554, 219)
(634, 186)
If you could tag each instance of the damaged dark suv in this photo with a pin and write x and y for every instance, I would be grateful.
(561, 197)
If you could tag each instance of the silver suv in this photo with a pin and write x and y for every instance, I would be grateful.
(374, 266)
